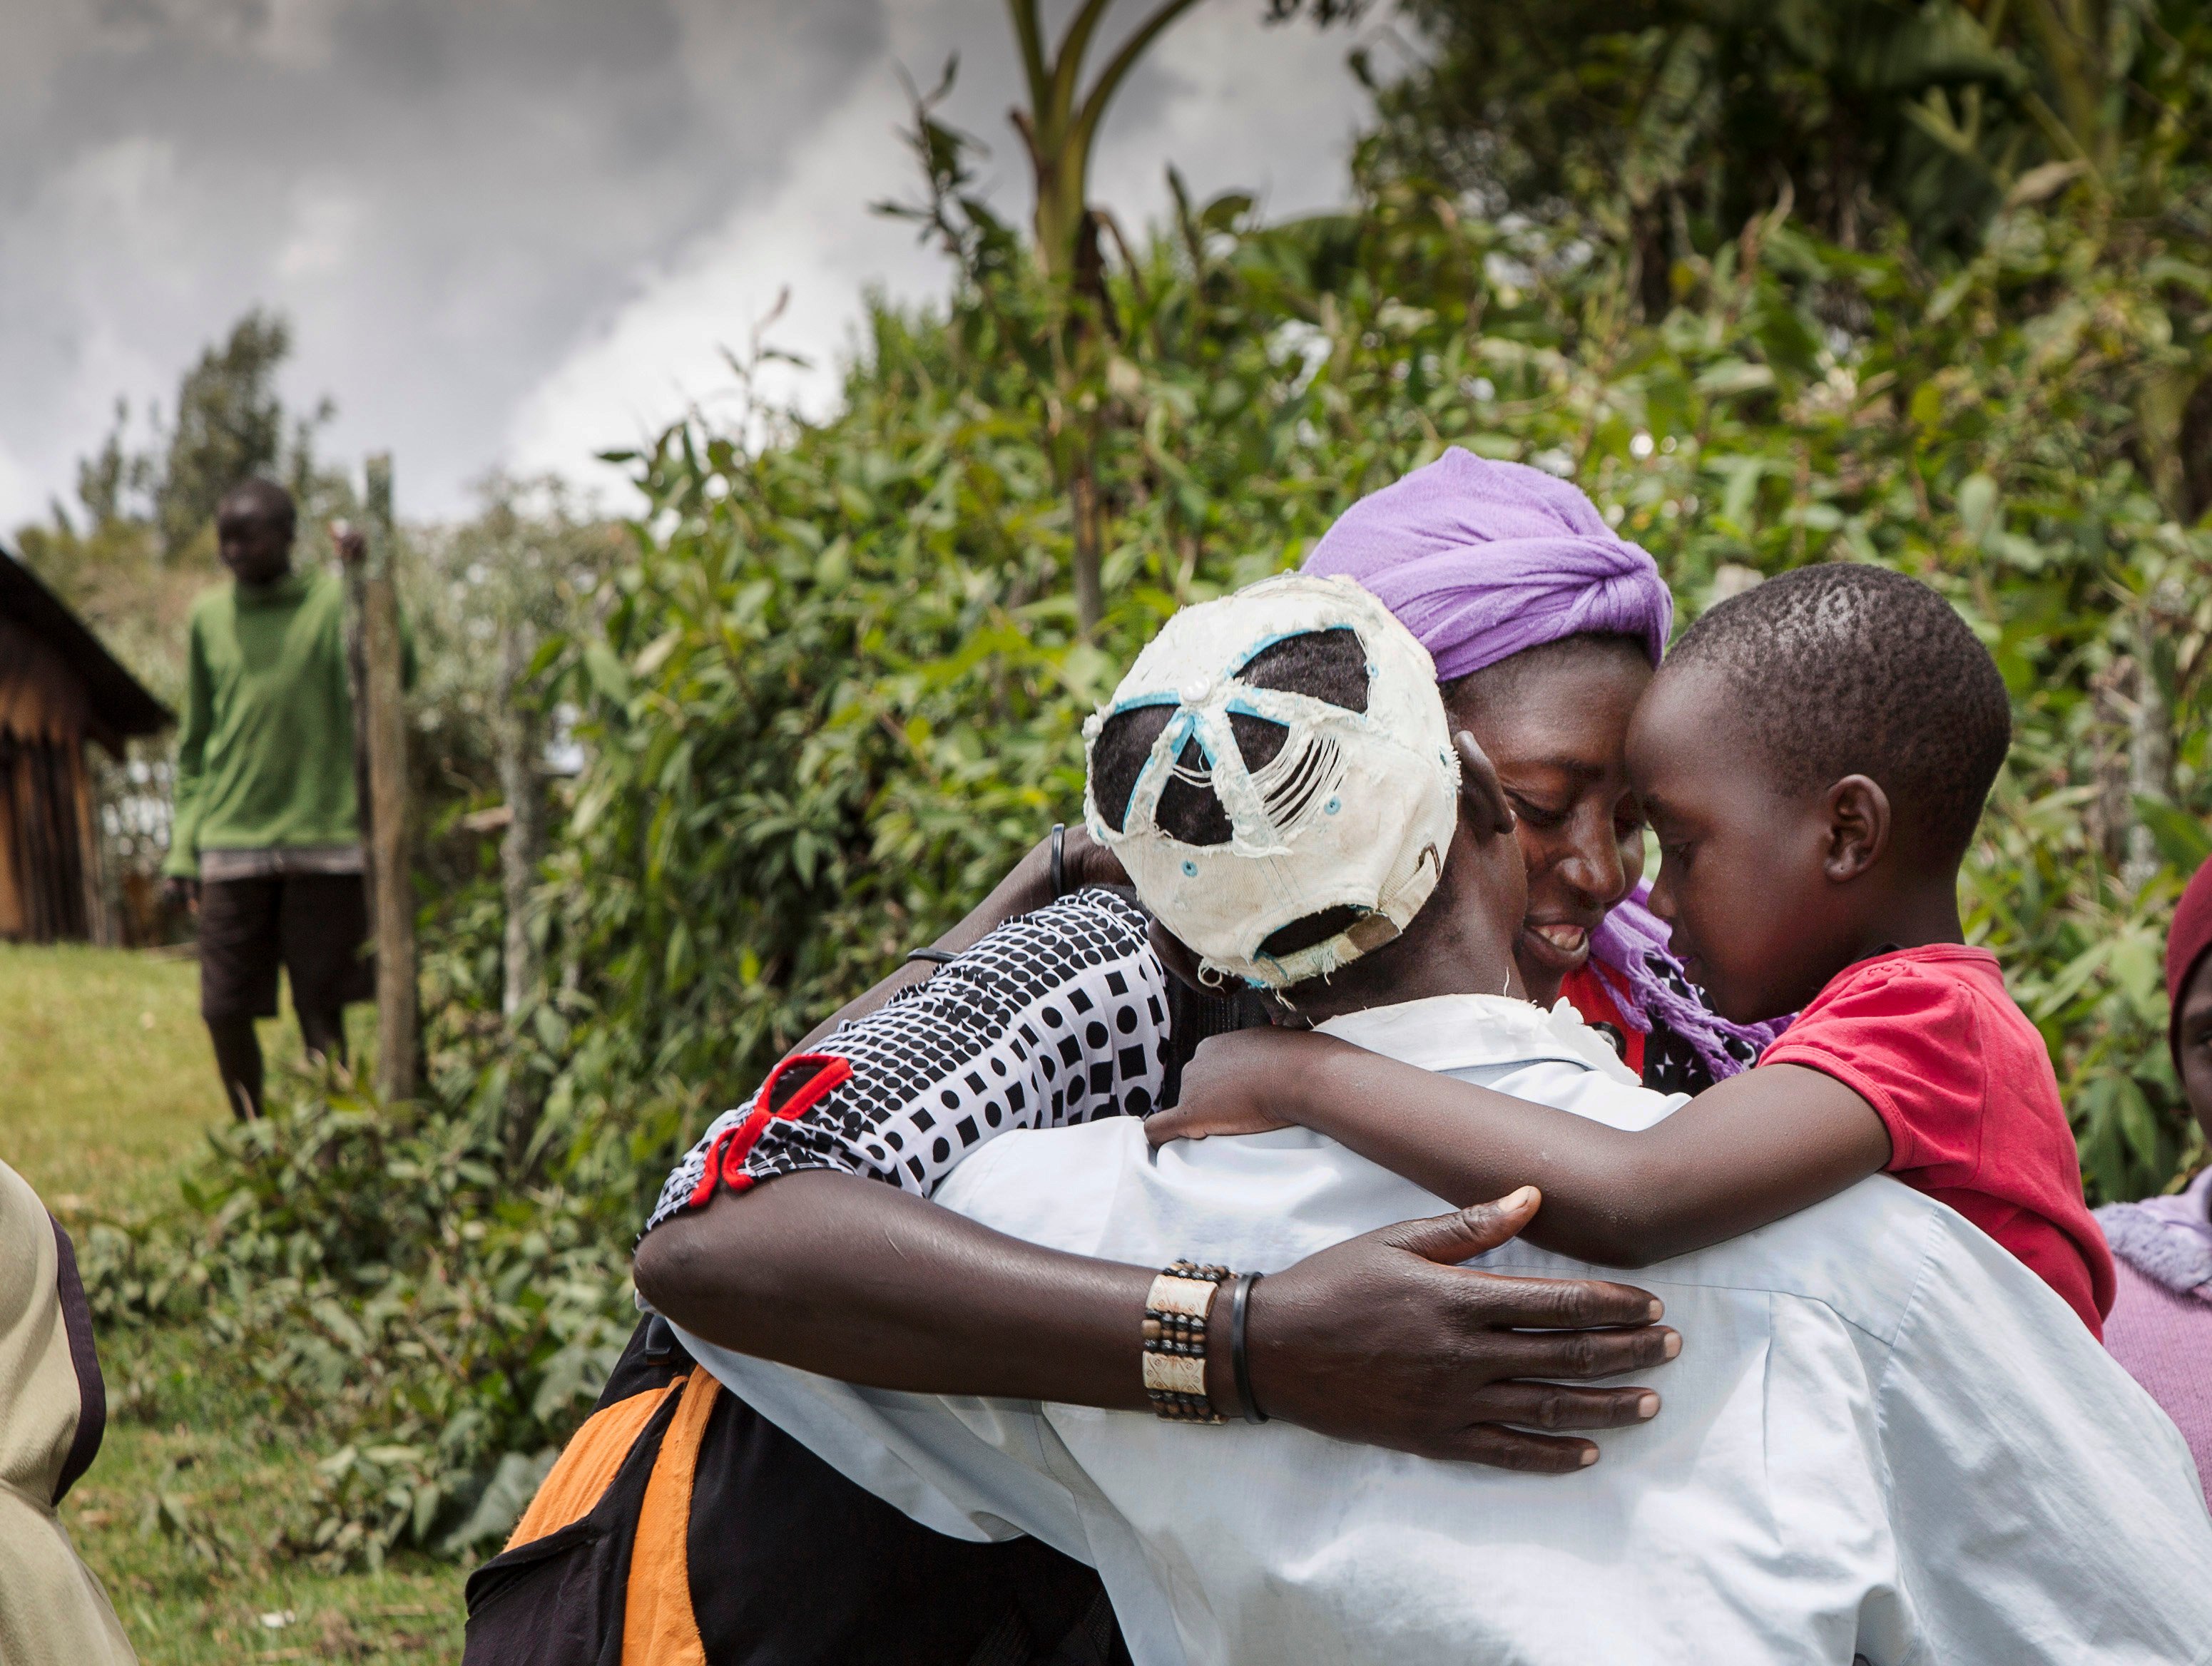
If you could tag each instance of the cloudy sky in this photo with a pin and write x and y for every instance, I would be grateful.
(515, 232)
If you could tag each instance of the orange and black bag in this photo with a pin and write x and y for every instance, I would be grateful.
(680, 1528)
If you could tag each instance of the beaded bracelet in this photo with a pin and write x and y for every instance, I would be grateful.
(1176, 1309)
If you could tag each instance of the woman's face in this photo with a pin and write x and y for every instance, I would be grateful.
(1554, 721)
(2195, 1033)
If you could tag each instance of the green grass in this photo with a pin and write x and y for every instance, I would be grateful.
(106, 1087)
(106, 1077)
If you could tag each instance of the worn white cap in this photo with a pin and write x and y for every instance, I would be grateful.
(1339, 810)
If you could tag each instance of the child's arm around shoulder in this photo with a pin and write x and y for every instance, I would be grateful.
(1745, 1152)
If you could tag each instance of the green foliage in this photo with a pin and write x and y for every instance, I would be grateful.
(529, 557)
(1662, 126)
(835, 683)
(392, 1295)
(840, 691)
(1699, 111)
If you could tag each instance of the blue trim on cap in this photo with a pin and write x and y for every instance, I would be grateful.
(1254, 651)
(1136, 702)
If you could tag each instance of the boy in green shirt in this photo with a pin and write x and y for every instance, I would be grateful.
(266, 843)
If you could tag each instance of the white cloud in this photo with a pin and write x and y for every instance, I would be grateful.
(521, 231)
(326, 230)
(1231, 103)
(812, 244)
(19, 486)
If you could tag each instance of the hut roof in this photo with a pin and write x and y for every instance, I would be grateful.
(120, 705)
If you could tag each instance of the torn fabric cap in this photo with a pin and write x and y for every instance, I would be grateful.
(1309, 827)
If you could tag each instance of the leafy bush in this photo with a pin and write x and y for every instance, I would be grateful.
(390, 1295)
(839, 681)
(842, 690)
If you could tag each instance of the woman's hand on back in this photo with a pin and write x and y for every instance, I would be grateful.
(1386, 1339)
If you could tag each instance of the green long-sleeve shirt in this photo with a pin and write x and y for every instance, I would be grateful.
(265, 760)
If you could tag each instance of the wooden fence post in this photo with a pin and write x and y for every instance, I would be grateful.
(390, 826)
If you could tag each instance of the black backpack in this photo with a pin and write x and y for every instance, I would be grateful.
(750, 1551)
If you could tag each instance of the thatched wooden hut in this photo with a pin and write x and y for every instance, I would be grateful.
(59, 691)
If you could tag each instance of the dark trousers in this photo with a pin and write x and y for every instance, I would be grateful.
(315, 926)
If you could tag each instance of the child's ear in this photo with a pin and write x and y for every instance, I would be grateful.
(1859, 827)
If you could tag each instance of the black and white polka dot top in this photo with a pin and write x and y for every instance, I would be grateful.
(1061, 1016)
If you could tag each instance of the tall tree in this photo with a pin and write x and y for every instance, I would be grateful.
(1059, 129)
(1061, 125)
(230, 423)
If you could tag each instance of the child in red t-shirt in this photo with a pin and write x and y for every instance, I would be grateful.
(1813, 757)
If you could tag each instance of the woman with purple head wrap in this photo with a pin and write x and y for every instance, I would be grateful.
(1544, 626)
(796, 1229)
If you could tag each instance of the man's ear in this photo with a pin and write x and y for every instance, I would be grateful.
(1858, 828)
(1482, 800)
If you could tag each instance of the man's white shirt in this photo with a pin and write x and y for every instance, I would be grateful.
(1884, 1436)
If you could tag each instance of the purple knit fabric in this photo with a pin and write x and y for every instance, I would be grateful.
(2160, 1325)
(1482, 560)
(2168, 1239)
(1627, 939)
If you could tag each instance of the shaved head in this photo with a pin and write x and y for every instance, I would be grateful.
(259, 499)
(1844, 668)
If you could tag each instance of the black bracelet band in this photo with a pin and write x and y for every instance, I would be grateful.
(1240, 1369)
(937, 956)
(1059, 860)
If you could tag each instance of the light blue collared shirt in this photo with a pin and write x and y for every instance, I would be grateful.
(1884, 1438)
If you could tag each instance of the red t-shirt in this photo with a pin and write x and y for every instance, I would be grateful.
(1929, 1038)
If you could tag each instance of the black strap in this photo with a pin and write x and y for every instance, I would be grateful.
(91, 1388)
(1239, 1366)
(934, 956)
(651, 1360)
(1059, 860)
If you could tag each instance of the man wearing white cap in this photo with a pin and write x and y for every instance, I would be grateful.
(1878, 1442)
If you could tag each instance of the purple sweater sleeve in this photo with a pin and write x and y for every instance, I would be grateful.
(2160, 1325)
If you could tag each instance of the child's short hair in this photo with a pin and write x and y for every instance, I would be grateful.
(1847, 669)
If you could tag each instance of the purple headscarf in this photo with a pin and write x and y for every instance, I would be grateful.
(1482, 560)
